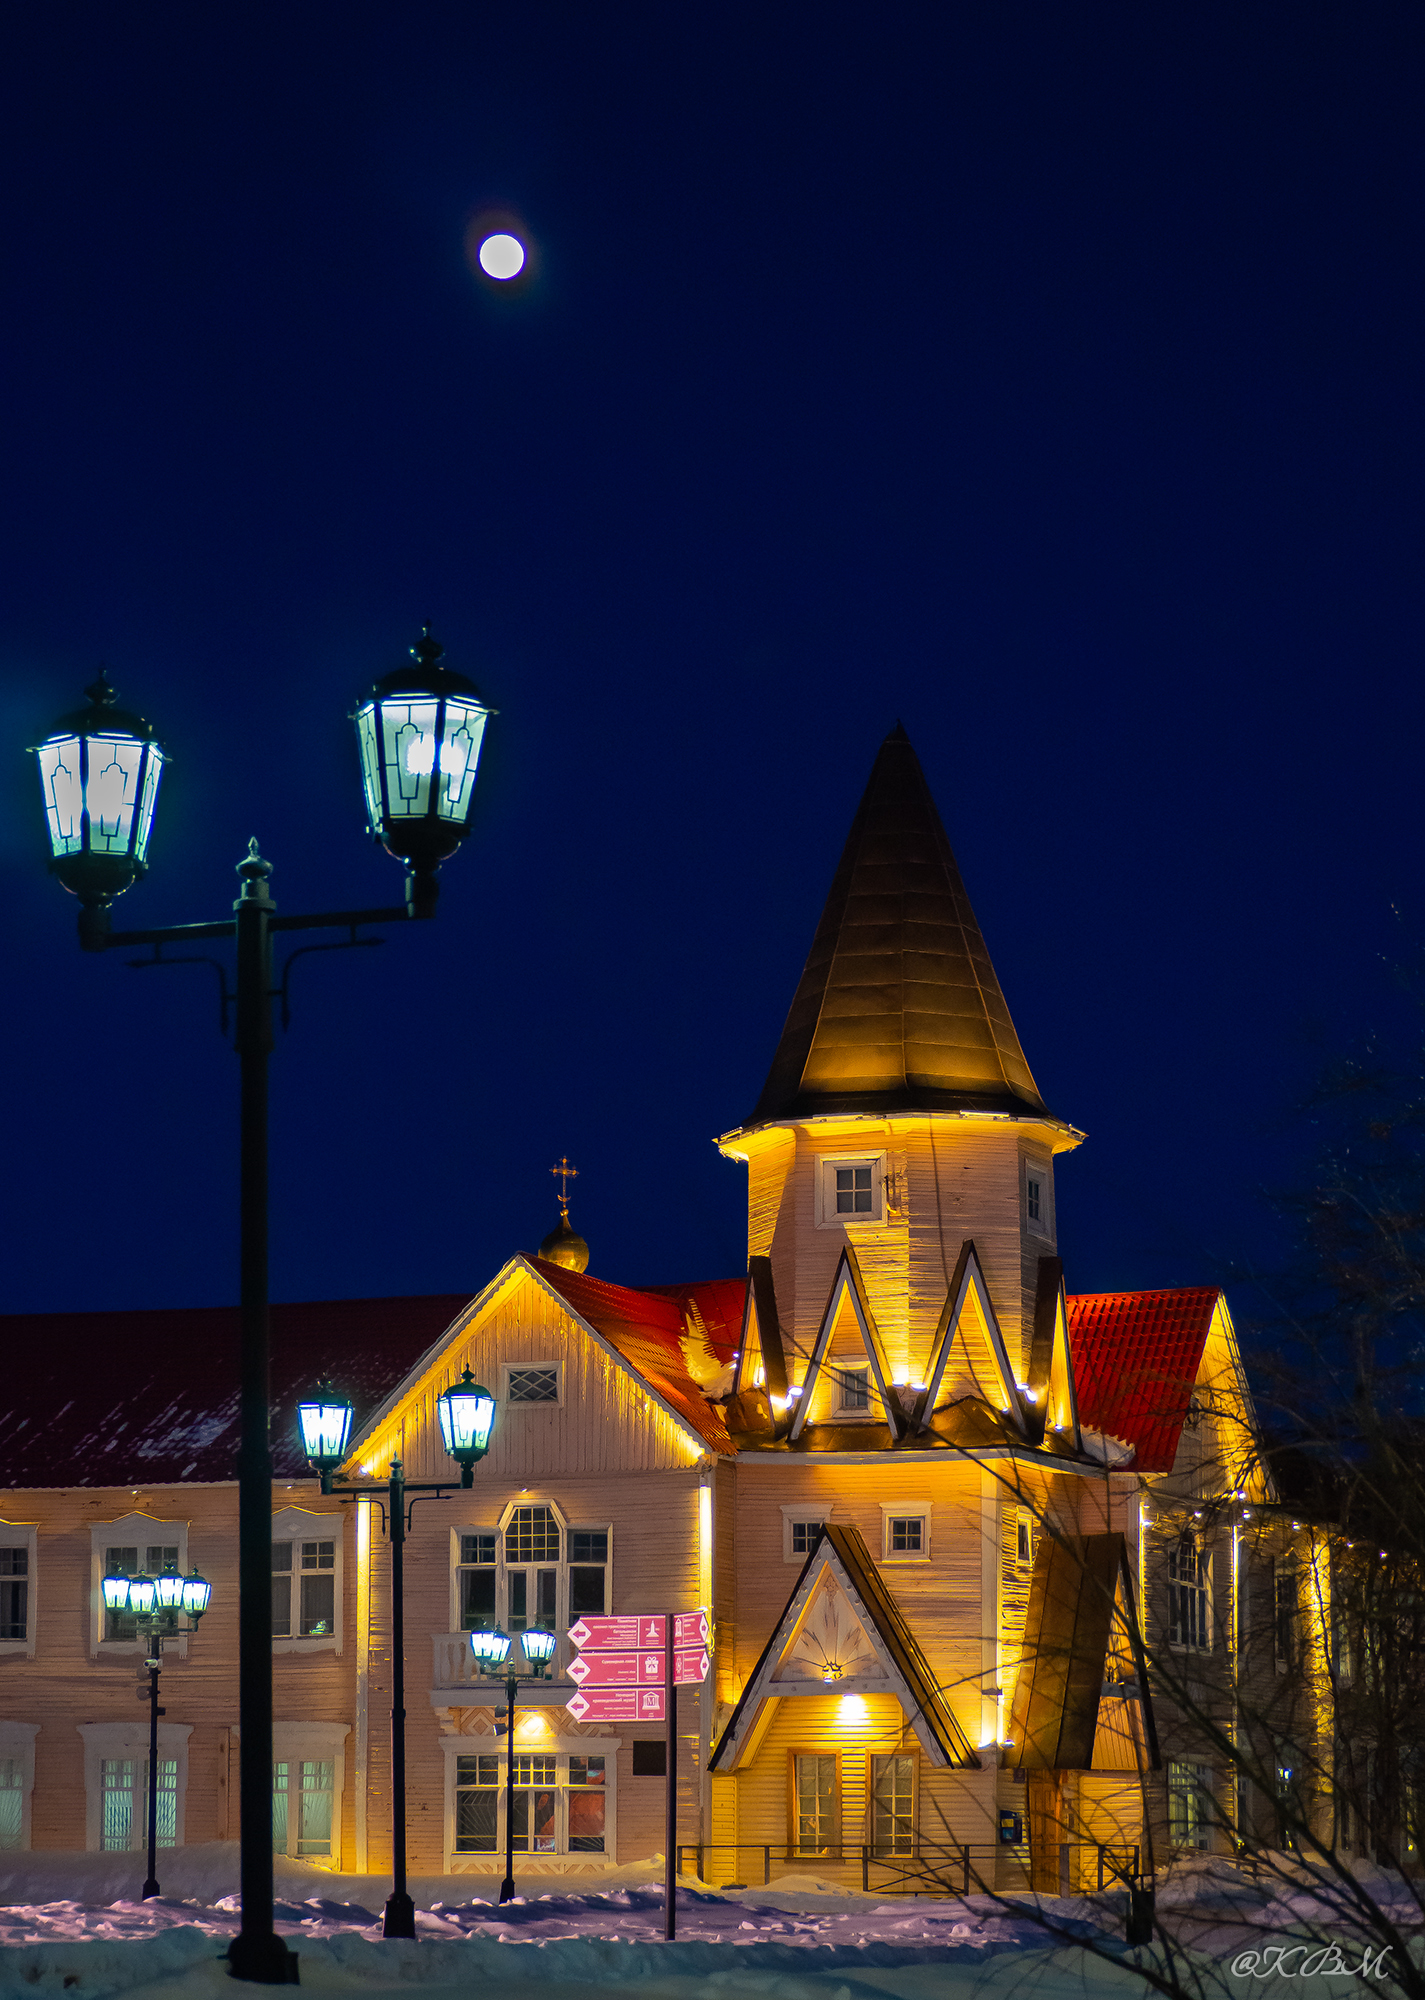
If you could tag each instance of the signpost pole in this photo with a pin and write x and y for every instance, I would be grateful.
(670, 1708)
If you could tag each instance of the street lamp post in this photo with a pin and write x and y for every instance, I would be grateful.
(492, 1654)
(419, 736)
(467, 1417)
(155, 1603)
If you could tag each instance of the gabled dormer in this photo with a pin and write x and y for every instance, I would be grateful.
(900, 1118)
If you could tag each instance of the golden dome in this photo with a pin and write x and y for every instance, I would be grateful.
(565, 1246)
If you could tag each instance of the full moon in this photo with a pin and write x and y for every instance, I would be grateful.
(502, 256)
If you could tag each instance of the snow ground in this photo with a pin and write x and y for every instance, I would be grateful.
(72, 1924)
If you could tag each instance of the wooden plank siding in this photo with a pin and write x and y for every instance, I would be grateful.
(66, 1685)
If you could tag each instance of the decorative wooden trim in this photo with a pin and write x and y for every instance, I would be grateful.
(847, 1284)
(969, 1278)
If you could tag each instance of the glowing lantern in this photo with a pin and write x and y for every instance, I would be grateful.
(467, 1416)
(420, 737)
(539, 1648)
(143, 1596)
(324, 1423)
(168, 1590)
(115, 1590)
(491, 1649)
(196, 1592)
(99, 772)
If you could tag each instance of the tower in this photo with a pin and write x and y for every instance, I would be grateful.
(899, 1115)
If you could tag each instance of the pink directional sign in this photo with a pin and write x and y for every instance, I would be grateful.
(633, 1704)
(619, 1634)
(691, 1628)
(690, 1667)
(617, 1669)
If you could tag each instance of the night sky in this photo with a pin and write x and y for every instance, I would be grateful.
(1047, 378)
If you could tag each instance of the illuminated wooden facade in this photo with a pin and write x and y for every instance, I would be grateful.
(902, 1368)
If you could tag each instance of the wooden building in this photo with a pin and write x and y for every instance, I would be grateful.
(934, 1503)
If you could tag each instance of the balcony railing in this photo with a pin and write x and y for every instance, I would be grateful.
(455, 1667)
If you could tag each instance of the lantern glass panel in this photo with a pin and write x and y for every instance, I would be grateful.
(111, 791)
(460, 758)
(467, 1414)
(325, 1424)
(370, 763)
(169, 1590)
(152, 770)
(142, 1595)
(539, 1646)
(490, 1648)
(63, 789)
(196, 1592)
(408, 750)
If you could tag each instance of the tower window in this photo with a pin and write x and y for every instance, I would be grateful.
(1038, 1180)
(532, 1385)
(855, 1388)
(850, 1190)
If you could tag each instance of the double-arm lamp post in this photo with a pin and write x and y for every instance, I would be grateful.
(493, 1658)
(155, 1603)
(419, 736)
(467, 1417)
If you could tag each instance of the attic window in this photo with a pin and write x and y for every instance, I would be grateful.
(531, 1385)
(855, 1388)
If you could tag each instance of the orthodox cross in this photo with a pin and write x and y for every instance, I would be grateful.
(564, 1173)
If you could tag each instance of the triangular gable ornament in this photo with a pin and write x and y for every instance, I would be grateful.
(848, 1294)
(1055, 1404)
(968, 1299)
(841, 1633)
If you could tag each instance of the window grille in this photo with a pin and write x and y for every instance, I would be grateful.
(855, 1388)
(893, 1804)
(311, 1566)
(12, 1803)
(532, 1385)
(124, 1816)
(532, 1536)
(1189, 1596)
(302, 1809)
(477, 1795)
(854, 1194)
(816, 1781)
(905, 1534)
(14, 1593)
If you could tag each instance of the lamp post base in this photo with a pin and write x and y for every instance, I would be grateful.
(265, 1961)
(400, 1918)
(507, 1889)
(150, 1888)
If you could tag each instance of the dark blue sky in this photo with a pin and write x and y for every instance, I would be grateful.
(1046, 377)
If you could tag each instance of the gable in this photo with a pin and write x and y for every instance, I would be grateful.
(842, 1633)
(847, 1325)
(625, 1400)
(968, 1355)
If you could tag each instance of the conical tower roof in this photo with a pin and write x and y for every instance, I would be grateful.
(898, 1008)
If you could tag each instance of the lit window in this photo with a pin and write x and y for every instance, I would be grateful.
(532, 1385)
(586, 1805)
(311, 1566)
(125, 1562)
(535, 1830)
(124, 1823)
(560, 1804)
(1189, 1596)
(302, 1809)
(1189, 1805)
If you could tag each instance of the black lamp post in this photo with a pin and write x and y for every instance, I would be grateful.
(492, 1656)
(467, 1417)
(419, 736)
(156, 1602)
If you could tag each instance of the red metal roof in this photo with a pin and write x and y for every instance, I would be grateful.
(148, 1398)
(1136, 1357)
(662, 1331)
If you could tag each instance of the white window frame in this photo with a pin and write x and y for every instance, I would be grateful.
(303, 1524)
(826, 1216)
(140, 1531)
(1031, 1167)
(554, 1368)
(905, 1510)
(818, 1512)
(17, 1741)
(568, 1525)
(1192, 1785)
(833, 1369)
(316, 1743)
(23, 1535)
(129, 1739)
(561, 1748)
(1200, 1586)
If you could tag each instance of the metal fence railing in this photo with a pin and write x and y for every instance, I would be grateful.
(920, 1868)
